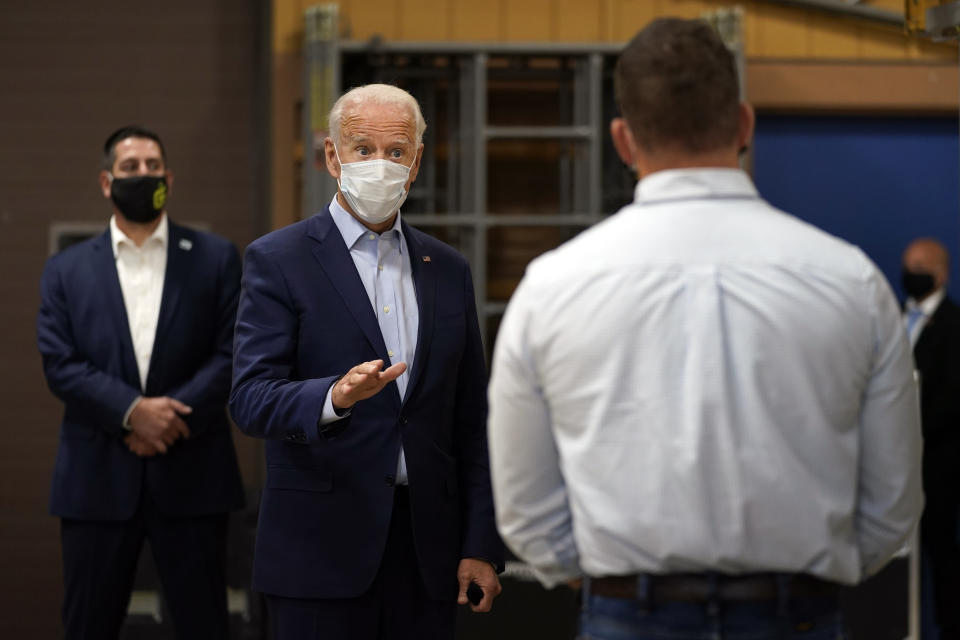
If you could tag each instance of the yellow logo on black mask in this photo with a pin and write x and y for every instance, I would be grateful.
(140, 198)
(160, 196)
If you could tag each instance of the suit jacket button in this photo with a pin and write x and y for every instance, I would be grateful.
(390, 480)
(403, 420)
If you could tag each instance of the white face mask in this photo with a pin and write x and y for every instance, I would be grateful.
(374, 189)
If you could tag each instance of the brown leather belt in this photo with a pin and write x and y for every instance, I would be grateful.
(698, 587)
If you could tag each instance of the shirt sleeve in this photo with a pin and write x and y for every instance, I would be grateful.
(890, 495)
(126, 416)
(329, 413)
(532, 509)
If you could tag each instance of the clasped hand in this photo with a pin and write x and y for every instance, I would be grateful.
(156, 423)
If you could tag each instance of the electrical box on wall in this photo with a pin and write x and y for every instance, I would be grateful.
(939, 19)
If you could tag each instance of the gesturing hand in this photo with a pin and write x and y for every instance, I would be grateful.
(157, 421)
(364, 380)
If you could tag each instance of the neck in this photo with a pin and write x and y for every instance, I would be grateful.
(136, 231)
(927, 296)
(663, 160)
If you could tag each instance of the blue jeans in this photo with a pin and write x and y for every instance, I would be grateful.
(604, 618)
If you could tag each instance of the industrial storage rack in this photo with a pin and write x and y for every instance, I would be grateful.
(466, 91)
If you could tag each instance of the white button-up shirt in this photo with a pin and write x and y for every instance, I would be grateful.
(702, 382)
(141, 271)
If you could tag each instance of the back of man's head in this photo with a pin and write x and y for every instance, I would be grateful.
(676, 86)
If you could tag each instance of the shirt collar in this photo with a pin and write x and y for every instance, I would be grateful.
(117, 236)
(689, 184)
(929, 304)
(352, 229)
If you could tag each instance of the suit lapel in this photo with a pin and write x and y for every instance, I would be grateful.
(105, 272)
(425, 284)
(334, 258)
(175, 274)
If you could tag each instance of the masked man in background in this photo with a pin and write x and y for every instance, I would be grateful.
(135, 329)
(933, 324)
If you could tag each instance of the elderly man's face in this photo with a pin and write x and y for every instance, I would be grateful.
(372, 132)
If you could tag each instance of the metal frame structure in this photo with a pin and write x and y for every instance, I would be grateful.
(465, 71)
(943, 21)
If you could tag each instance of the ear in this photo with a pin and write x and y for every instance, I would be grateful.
(415, 167)
(169, 176)
(330, 154)
(941, 277)
(747, 122)
(623, 141)
(104, 180)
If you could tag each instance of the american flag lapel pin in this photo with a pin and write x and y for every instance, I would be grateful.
(426, 258)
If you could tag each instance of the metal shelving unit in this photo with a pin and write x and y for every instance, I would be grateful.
(458, 85)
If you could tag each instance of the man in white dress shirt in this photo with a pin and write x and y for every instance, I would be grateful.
(702, 406)
(933, 324)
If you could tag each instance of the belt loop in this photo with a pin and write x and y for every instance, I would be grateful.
(713, 595)
(643, 593)
(783, 593)
(585, 593)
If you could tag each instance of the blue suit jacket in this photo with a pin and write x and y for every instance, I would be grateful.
(89, 362)
(304, 319)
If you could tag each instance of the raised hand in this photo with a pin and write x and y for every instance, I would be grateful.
(363, 381)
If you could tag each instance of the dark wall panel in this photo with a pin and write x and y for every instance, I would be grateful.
(877, 182)
(70, 73)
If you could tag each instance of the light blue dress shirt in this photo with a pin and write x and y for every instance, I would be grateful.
(383, 263)
(924, 310)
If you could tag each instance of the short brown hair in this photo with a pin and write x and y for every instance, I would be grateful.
(676, 86)
(129, 131)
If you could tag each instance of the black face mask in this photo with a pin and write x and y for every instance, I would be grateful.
(917, 285)
(140, 199)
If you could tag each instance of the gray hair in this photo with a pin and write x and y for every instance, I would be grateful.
(382, 94)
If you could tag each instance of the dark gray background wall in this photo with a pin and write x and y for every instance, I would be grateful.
(71, 72)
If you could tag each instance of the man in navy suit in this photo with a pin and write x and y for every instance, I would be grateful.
(135, 329)
(377, 513)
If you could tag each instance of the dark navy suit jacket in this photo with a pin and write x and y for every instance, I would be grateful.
(937, 356)
(89, 362)
(304, 319)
